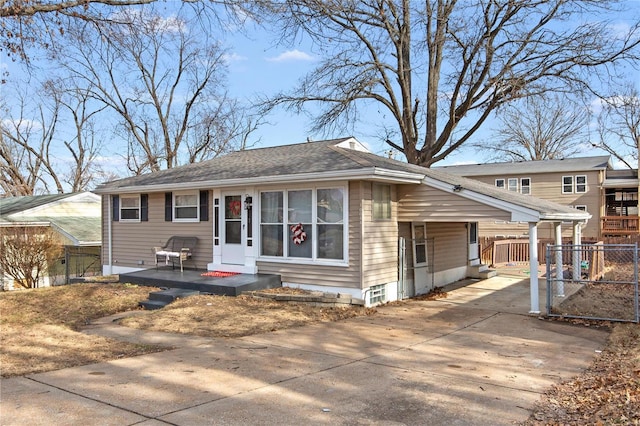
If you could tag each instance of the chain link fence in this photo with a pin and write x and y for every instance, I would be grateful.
(75, 262)
(593, 281)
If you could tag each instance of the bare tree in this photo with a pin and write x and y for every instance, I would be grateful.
(84, 144)
(439, 68)
(27, 253)
(25, 23)
(25, 148)
(34, 148)
(619, 126)
(537, 128)
(161, 79)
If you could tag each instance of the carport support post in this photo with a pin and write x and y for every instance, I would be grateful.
(577, 251)
(559, 267)
(533, 268)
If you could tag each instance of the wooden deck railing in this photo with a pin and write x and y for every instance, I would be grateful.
(502, 252)
(620, 225)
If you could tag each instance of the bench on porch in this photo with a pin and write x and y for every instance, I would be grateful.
(176, 249)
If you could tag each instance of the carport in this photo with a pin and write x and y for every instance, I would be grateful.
(444, 198)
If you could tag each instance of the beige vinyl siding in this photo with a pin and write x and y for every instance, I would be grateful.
(450, 245)
(325, 275)
(134, 241)
(379, 241)
(548, 186)
(418, 203)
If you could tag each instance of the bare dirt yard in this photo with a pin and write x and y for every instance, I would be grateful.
(41, 331)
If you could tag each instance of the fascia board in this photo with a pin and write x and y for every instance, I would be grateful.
(372, 173)
(518, 213)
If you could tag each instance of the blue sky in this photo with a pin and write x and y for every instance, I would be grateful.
(257, 66)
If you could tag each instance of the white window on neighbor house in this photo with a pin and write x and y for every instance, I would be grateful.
(581, 184)
(581, 208)
(525, 186)
(313, 226)
(381, 201)
(567, 184)
(499, 183)
(186, 206)
(130, 208)
(512, 184)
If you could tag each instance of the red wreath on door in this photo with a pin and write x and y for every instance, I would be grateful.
(234, 207)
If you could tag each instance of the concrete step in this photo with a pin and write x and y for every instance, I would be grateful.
(160, 299)
(481, 271)
(488, 273)
(153, 304)
(172, 294)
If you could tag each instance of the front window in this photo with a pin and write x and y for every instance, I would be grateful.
(304, 223)
(130, 207)
(185, 206)
(381, 201)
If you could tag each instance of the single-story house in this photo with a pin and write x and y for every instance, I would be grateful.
(327, 215)
(74, 217)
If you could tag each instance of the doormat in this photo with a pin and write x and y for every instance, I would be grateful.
(219, 274)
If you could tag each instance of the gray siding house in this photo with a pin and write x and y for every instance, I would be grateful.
(326, 215)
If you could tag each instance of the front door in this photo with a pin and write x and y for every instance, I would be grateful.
(233, 230)
(422, 274)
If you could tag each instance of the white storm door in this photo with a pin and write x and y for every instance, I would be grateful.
(474, 247)
(233, 230)
(423, 281)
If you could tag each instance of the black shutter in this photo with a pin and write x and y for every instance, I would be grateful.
(115, 208)
(204, 206)
(168, 206)
(144, 207)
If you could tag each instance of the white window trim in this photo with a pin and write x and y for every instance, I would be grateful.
(139, 208)
(174, 206)
(566, 184)
(527, 186)
(504, 183)
(314, 260)
(512, 189)
(576, 184)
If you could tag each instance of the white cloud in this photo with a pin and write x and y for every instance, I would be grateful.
(233, 57)
(291, 55)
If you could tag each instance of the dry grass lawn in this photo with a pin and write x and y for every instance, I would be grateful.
(40, 331)
(39, 328)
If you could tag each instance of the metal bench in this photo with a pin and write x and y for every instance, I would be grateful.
(176, 249)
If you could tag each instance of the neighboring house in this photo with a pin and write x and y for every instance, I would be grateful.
(74, 217)
(248, 210)
(589, 184)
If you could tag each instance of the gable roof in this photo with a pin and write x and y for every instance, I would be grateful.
(580, 164)
(337, 159)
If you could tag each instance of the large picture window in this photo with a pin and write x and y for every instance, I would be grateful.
(305, 223)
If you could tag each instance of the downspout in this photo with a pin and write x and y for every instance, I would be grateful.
(109, 235)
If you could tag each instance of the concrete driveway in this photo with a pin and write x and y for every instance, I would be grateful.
(473, 358)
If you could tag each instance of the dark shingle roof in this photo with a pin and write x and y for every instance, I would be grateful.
(265, 163)
(531, 167)
(316, 157)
